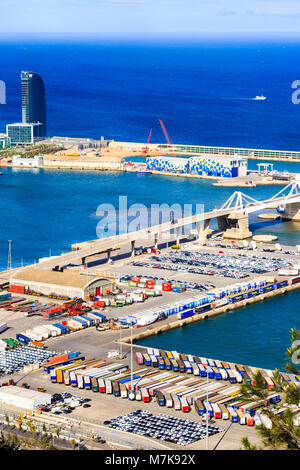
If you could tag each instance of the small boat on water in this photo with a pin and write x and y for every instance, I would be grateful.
(143, 172)
(280, 208)
(260, 98)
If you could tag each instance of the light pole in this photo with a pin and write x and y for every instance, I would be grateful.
(9, 258)
(131, 394)
(207, 411)
(120, 342)
(131, 357)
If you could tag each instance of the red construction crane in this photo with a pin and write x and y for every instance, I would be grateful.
(145, 149)
(166, 136)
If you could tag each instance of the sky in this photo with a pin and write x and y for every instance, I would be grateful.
(150, 16)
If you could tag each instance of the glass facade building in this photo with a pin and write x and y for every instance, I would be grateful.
(33, 100)
(4, 141)
(21, 133)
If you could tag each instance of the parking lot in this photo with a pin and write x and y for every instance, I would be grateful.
(164, 427)
(15, 359)
(238, 265)
(105, 407)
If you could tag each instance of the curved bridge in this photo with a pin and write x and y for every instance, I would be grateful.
(232, 219)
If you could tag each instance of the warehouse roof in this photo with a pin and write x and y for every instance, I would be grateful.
(67, 278)
(22, 392)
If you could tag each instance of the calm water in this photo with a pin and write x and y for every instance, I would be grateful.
(202, 90)
(47, 209)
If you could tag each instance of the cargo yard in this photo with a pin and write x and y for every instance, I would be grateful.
(55, 343)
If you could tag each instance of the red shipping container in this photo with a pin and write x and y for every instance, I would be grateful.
(17, 289)
(166, 286)
(249, 420)
(135, 279)
(54, 309)
(60, 358)
(150, 282)
(99, 303)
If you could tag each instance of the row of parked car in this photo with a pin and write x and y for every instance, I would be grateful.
(167, 428)
(13, 360)
(65, 403)
(225, 264)
(247, 247)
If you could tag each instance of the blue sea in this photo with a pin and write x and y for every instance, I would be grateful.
(202, 89)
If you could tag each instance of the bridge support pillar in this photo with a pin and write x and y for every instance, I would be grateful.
(178, 236)
(156, 240)
(132, 248)
(238, 223)
(108, 255)
(292, 212)
(222, 223)
(202, 229)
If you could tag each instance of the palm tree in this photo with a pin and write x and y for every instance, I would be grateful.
(19, 421)
(73, 443)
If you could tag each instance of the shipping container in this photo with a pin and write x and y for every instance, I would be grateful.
(139, 358)
(17, 289)
(233, 416)
(224, 411)
(185, 314)
(147, 360)
(217, 413)
(161, 363)
(175, 366)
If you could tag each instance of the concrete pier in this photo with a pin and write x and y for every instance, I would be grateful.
(240, 226)
(155, 330)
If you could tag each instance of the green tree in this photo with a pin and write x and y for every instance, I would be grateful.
(246, 444)
(10, 442)
(73, 443)
(19, 421)
(282, 433)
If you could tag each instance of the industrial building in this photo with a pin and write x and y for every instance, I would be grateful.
(202, 165)
(24, 398)
(36, 162)
(68, 283)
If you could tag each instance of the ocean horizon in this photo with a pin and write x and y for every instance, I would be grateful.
(202, 87)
